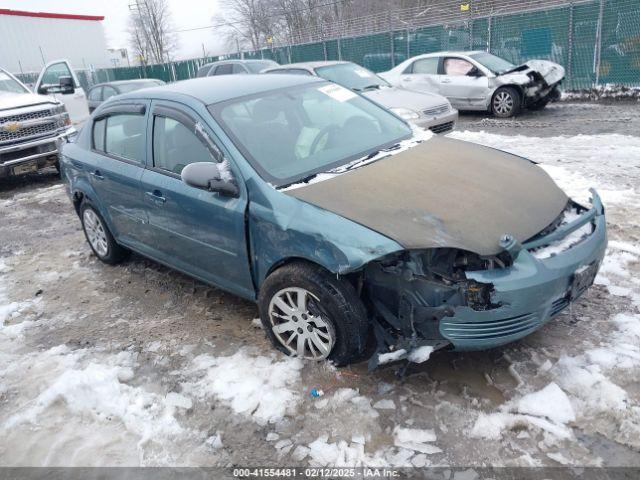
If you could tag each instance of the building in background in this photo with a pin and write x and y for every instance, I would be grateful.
(119, 57)
(31, 39)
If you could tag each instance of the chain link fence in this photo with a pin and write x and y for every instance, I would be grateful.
(597, 41)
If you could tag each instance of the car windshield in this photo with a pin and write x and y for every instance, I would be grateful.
(8, 84)
(293, 134)
(257, 67)
(496, 64)
(351, 76)
(130, 87)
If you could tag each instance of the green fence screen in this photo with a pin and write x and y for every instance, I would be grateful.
(597, 41)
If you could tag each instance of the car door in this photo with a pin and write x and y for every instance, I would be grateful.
(422, 75)
(460, 85)
(118, 154)
(197, 231)
(76, 101)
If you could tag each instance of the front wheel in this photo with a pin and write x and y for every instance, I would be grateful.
(506, 102)
(99, 237)
(309, 313)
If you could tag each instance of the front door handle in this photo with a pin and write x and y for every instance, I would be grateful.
(97, 174)
(407, 79)
(446, 80)
(156, 196)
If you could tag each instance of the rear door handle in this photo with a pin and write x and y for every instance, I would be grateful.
(156, 196)
(97, 174)
(446, 80)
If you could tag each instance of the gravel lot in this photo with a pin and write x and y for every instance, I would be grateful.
(139, 365)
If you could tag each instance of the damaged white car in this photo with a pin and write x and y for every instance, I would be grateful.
(481, 81)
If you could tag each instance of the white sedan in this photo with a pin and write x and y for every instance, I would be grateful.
(481, 81)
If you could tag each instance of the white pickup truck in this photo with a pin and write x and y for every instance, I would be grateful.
(33, 124)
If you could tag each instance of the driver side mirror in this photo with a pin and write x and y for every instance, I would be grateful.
(67, 85)
(207, 175)
(475, 72)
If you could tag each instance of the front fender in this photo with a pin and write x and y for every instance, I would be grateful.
(283, 228)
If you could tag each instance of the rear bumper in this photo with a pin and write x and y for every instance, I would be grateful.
(530, 292)
(439, 124)
(40, 153)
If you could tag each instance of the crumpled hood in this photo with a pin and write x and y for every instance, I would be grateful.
(444, 193)
(393, 97)
(17, 100)
(550, 71)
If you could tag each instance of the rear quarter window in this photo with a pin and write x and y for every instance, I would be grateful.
(122, 136)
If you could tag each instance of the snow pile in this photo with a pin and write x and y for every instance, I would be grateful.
(420, 354)
(416, 440)
(609, 91)
(575, 163)
(100, 391)
(391, 356)
(323, 453)
(548, 409)
(264, 388)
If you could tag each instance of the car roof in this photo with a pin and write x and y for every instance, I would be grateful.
(308, 65)
(451, 52)
(237, 60)
(216, 89)
(115, 83)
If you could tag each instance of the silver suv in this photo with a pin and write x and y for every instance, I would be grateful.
(31, 127)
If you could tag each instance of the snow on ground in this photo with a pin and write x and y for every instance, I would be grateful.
(132, 366)
(261, 387)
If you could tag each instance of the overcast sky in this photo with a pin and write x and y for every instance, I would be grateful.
(185, 14)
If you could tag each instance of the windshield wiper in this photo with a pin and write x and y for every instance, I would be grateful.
(371, 87)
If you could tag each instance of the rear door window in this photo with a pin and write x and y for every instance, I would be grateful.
(237, 68)
(427, 66)
(108, 92)
(95, 94)
(124, 136)
(225, 69)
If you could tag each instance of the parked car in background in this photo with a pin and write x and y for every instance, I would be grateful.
(481, 81)
(59, 80)
(103, 91)
(426, 110)
(31, 127)
(332, 214)
(231, 67)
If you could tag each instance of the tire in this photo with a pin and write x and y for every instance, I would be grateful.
(506, 102)
(333, 314)
(539, 105)
(99, 237)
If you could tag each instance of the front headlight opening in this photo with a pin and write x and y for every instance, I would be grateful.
(406, 113)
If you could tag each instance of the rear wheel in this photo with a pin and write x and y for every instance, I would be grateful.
(99, 237)
(505, 102)
(309, 313)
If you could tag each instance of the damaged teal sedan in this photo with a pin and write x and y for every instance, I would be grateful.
(356, 235)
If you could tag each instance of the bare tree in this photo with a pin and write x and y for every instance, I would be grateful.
(150, 30)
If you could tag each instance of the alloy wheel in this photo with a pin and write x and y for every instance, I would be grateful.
(96, 233)
(299, 326)
(503, 103)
